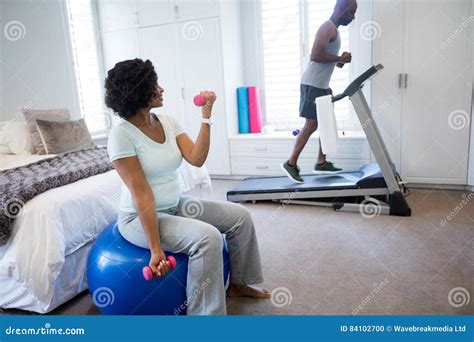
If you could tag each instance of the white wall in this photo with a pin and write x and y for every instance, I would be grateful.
(36, 71)
(230, 25)
(251, 56)
(251, 49)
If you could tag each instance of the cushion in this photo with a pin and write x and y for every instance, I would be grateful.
(64, 136)
(60, 114)
(17, 138)
(3, 124)
(4, 149)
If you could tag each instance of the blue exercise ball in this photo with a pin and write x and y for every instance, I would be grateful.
(116, 282)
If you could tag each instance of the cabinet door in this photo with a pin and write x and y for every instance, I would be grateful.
(201, 68)
(471, 148)
(436, 106)
(158, 45)
(196, 9)
(117, 14)
(387, 48)
(118, 46)
(156, 12)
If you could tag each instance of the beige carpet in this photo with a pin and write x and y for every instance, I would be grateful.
(327, 263)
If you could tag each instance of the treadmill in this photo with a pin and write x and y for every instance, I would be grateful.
(374, 189)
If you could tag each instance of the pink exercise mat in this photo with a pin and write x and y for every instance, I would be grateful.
(255, 115)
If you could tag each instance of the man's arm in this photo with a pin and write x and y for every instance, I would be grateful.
(326, 34)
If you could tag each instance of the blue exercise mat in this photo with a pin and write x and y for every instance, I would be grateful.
(243, 106)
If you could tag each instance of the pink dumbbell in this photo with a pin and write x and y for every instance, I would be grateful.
(148, 273)
(200, 100)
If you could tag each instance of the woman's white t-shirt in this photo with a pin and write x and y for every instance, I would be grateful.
(159, 162)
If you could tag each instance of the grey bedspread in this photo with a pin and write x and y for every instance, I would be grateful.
(21, 184)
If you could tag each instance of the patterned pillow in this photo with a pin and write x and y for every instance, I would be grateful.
(60, 114)
(64, 136)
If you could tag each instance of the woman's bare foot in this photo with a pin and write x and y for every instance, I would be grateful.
(235, 290)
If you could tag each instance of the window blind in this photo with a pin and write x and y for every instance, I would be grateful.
(288, 31)
(282, 60)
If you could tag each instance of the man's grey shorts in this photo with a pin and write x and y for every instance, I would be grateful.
(307, 96)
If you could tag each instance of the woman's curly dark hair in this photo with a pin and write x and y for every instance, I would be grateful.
(129, 86)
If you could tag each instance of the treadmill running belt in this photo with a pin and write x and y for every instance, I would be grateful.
(311, 183)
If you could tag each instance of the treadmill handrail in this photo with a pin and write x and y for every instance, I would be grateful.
(358, 82)
(338, 97)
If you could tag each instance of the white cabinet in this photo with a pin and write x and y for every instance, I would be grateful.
(187, 55)
(126, 14)
(155, 12)
(435, 149)
(196, 9)
(471, 149)
(422, 117)
(186, 66)
(158, 44)
(262, 156)
(118, 46)
(201, 68)
(386, 93)
(117, 14)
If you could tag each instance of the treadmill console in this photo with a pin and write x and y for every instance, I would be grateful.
(358, 82)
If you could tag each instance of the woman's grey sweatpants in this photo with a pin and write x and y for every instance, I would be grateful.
(194, 227)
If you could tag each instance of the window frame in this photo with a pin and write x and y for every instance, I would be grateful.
(99, 133)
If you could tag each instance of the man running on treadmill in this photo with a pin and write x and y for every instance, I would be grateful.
(315, 83)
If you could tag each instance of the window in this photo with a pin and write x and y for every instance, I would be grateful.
(84, 38)
(282, 55)
(288, 31)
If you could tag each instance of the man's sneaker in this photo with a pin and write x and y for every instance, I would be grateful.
(293, 172)
(326, 167)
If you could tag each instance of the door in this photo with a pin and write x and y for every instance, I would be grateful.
(436, 103)
(118, 46)
(201, 68)
(158, 44)
(156, 12)
(196, 9)
(388, 19)
(117, 14)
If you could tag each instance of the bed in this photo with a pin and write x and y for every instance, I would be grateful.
(43, 263)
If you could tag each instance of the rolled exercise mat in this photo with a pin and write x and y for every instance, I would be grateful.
(327, 124)
(243, 107)
(254, 110)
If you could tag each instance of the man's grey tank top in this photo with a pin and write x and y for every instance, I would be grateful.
(319, 74)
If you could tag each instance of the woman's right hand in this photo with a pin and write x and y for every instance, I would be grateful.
(210, 99)
(158, 263)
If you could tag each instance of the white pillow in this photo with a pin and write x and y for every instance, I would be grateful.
(2, 136)
(4, 149)
(17, 138)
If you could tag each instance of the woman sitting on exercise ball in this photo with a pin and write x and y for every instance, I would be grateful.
(146, 150)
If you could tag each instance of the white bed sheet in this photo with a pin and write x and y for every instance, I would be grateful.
(71, 281)
(9, 161)
(56, 224)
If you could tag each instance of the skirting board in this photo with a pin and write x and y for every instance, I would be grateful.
(441, 186)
